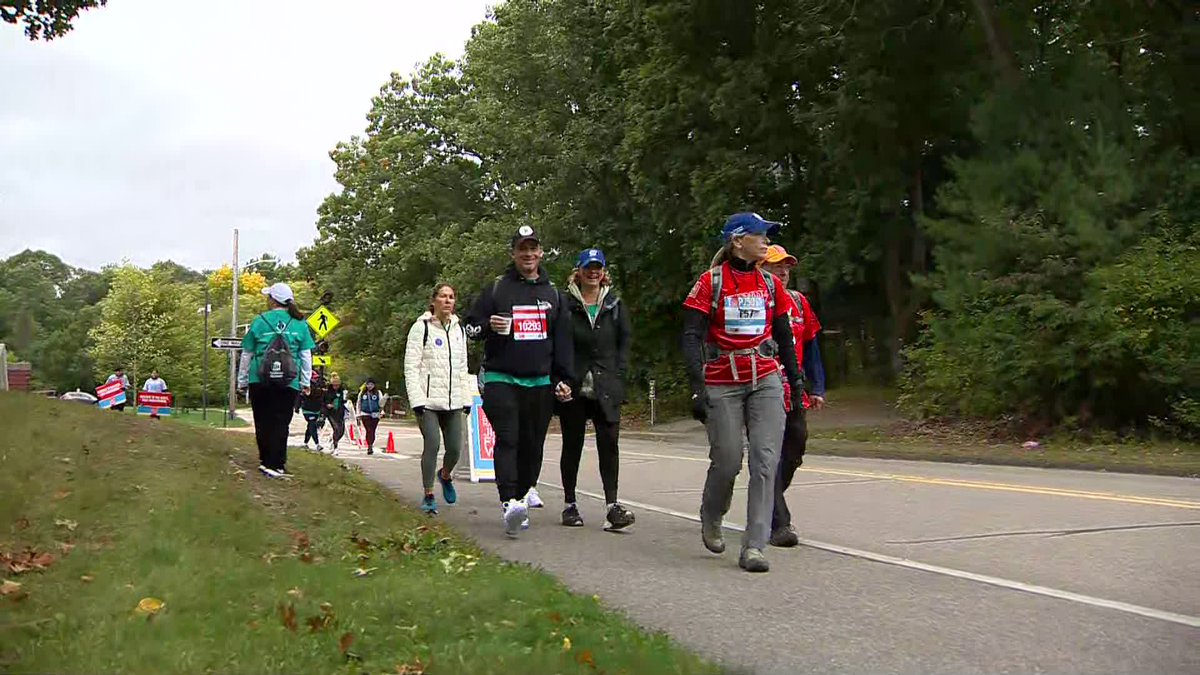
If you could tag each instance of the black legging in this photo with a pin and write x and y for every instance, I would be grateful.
(791, 456)
(273, 409)
(337, 421)
(314, 426)
(574, 416)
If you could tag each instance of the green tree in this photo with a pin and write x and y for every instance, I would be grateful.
(45, 19)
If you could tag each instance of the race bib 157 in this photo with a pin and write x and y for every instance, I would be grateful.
(745, 314)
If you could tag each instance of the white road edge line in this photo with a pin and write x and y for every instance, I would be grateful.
(1182, 619)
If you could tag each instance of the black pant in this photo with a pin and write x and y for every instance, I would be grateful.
(273, 409)
(314, 426)
(369, 424)
(791, 456)
(519, 416)
(337, 422)
(574, 416)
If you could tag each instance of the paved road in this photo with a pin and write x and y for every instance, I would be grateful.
(907, 566)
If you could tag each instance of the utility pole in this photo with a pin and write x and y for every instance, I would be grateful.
(233, 353)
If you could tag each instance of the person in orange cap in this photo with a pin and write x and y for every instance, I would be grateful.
(795, 435)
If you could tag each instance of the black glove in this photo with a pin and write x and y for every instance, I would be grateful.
(418, 411)
(700, 406)
(797, 395)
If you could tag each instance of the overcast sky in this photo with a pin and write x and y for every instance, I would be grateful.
(157, 126)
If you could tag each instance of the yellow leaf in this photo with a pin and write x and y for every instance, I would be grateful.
(150, 606)
(566, 644)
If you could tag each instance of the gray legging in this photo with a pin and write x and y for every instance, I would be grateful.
(450, 422)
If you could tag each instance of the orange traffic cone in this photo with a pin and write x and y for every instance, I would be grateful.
(391, 446)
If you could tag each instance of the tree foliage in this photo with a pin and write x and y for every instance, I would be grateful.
(45, 19)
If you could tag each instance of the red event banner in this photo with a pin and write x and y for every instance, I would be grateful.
(154, 399)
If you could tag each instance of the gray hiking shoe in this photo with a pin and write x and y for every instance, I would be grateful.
(710, 532)
(753, 560)
(784, 537)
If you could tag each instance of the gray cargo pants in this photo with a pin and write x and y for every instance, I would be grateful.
(738, 411)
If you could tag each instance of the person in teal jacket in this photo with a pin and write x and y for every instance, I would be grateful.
(274, 403)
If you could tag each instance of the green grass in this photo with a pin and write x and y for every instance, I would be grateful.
(178, 513)
(899, 441)
(215, 418)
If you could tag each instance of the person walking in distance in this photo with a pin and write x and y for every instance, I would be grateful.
(310, 405)
(335, 410)
(118, 375)
(370, 409)
(156, 385)
(439, 390)
(276, 363)
(795, 432)
(735, 326)
(528, 363)
(601, 336)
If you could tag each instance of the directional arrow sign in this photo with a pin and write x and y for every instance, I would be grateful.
(319, 360)
(226, 343)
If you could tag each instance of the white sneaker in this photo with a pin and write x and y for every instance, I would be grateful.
(533, 499)
(269, 472)
(516, 512)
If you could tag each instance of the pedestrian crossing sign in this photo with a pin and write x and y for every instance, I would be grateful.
(322, 321)
(319, 360)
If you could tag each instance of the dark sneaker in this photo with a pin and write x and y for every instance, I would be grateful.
(753, 560)
(448, 492)
(571, 517)
(370, 451)
(429, 505)
(710, 532)
(619, 517)
(784, 537)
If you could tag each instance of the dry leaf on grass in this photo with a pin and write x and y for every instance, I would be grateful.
(360, 572)
(65, 547)
(346, 640)
(150, 606)
(585, 656)
(21, 524)
(555, 617)
(288, 615)
(69, 524)
(87, 578)
(9, 587)
(297, 593)
(414, 668)
(62, 494)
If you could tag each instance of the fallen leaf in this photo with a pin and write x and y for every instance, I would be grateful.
(327, 609)
(414, 668)
(62, 494)
(150, 606)
(288, 615)
(87, 578)
(301, 540)
(345, 642)
(19, 597)
(566, 644)
(64, 547)
(596, 598)
(360, 572)
(585, 656)
(43, 559)
(555, 617)
(297, 593)
(8, 587)
(21, 524)
(316, 623)
(306, 557)
(69, 524)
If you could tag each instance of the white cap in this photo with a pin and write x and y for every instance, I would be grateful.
(279, 292)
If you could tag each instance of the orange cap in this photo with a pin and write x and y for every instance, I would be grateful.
(777, 253)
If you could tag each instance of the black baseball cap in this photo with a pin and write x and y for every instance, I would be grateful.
(523, 232)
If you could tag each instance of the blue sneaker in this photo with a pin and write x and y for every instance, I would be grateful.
(448, 491)
(429, 505)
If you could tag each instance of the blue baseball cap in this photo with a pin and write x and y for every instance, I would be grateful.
(748, 222)
(588, 256)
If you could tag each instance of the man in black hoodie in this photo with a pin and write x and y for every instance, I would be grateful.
(528, 358)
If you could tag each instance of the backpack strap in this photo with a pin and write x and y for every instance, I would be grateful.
(769, 279)
(714, 276)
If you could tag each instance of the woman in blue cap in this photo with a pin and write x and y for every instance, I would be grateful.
(736, 332)
(601, 334)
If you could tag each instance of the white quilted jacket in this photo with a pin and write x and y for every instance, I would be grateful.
(435, 365)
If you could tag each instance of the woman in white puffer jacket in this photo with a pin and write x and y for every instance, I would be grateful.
(439, 389)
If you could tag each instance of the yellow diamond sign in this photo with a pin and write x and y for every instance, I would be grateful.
(319, 360)
(322, 321)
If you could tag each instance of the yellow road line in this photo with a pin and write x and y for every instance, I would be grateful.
(980, 485)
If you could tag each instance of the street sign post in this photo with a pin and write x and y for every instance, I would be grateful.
(325, 361)
(322, 321)
(226, 343)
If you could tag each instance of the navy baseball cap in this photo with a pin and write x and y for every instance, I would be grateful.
(589, 256)
(748, 223)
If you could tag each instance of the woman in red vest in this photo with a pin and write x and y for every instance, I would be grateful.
(736, 333)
